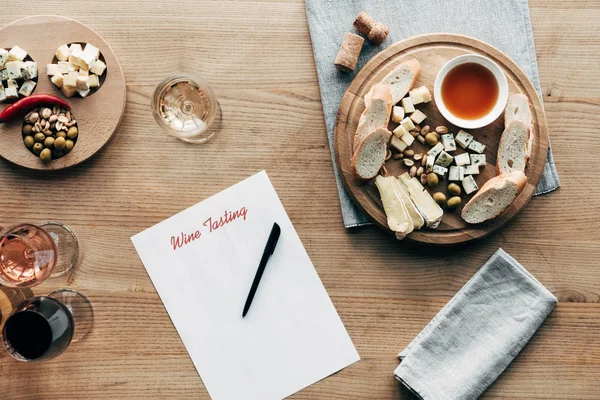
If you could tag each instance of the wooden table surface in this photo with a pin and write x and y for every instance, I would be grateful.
(258, 57)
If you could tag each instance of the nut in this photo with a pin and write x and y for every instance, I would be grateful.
(388, 154)
(38, 126)
(441, 129)
(413, 171)
(420, 171)
(69, 116)
(408, 162)
(414, 133)
(417, 157)
(425, 130)
(28, 115)
(59, 126)
(63, 119)
(424, 179)
(52, 118)
(409, 153)
(424, 160)
(34, 117)
(416, 128)
(46, 126)
(46, 113)
(383, 171)
(398, 156)
(421, 139)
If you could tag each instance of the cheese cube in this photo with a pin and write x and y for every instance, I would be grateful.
(3, 57)
(29, 70)
(16, 54)
(53, 69)
(70, 80)
(444, 159)
(3, 74)
(471, 170)
(27, 88)
(478, 159)
(456, 174)
(406, 123)
(429, 164)
(399, 131)
(95, 82)
(2, 94)
(11, 93)
(476, 146)
(90, 55)
(57, 80)
(68, 92)
(425, 94)
(469, 184)
(398, 144)
(84, 93)
(397, 114)
(407, 104)
(462, 159)
(63, 53)
(84, 72)
(408, 138)
(14, 69)
(448, 142)
(463, 139)
(87, 60)
(416, 96)
(99, 67)
(12, 83)
(75, 58)
(75, 46)
(435, 150)
(417, 117)
(83, 83)
(439, 170)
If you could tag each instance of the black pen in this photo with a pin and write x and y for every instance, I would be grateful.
(269, 249)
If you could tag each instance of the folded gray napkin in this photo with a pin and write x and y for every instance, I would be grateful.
(474, 337)
(504, 24)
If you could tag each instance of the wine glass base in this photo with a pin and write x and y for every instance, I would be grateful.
(81, 310)
(67, 245)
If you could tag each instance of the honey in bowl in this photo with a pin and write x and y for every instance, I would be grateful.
(470, 91)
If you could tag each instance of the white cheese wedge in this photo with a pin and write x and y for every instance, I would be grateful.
(417, 117)
(425, 93)
(456, 174)
(476, 146)
(439, 170)
(70, 81)
(462, 159)
(75, 46)
(413, 212)
(16, 54)
(14, 69)
(430, 210)
(3, 57)
(53, 69)
(398, 144)
(3, 74)
(11, 93)
(463, 139)
(435, 150)
(399, 131)
(448, 142)
(398, 219)
(12, 83)
(2, 94)
(29, 70)
(84, 93)
(444, 159)
(63, 52)
(408, 105)
(471, 170)
(416, 96)
(397, 114)
(478, 159)
(406, 123)
(469, 184)
(83, 83)
(408, 139)
(57, 80)
(27, 88)
(429, 164)
(68, 92)
(94, 81)
(99, 67)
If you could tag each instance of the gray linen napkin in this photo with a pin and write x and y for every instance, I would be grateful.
(474, 337)
(504, 24)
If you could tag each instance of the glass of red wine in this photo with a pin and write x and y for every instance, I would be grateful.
(43, 327)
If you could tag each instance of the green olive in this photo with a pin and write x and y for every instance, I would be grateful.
(61, 134)
(432, 179)
(68, 146)
(431, 139)
(39, 137)
(439, 197)
(37, 148)
(49, 142)
(46, 155)
(454, 189)
(57, 153)
(59, 143)
(27, 129)
(29, 141)
(73, 132)
(454, 202)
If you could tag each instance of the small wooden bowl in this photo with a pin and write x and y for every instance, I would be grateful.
(20, 81)
(98, 115)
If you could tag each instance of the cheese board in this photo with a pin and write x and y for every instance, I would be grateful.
(433, 51)
(98, 116)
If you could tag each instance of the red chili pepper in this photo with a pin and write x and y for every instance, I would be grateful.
(24, 105)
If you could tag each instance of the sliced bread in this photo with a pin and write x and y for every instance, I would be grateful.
(512, 149)
(378, 107)
(494, 197)
(517, 110)
(402, 79)
(370, 155)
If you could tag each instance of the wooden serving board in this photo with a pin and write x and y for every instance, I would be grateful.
(97, 115)
(433, 51)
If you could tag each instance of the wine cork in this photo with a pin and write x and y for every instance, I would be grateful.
(347, 56)
(376, 31)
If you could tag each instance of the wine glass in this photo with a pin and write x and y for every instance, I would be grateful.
(29, 253)
(43, 327)
(10, 298)
(187, 108)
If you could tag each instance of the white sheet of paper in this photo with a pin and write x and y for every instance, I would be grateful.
(292, 336)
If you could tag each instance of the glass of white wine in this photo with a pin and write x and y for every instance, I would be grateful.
(187, 108)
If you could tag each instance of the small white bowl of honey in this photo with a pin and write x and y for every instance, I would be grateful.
(471, 91)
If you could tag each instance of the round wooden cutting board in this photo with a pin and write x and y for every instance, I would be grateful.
(98, 115)
(433, 51)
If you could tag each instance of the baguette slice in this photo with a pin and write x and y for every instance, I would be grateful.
(512, 149)
(494, 197)
(398, 219)
(378, 107)
(370, 155)
(402, 79)
(517, 110)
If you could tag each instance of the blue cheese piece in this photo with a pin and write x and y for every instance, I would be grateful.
(14, 69)
(3, 74)
(463, 139)
(435, 150)
(27, 88)
(478, 159)
(398, 144)
(408, 139)
(12, 83)
(476, 146)
(16, 54)
(448, 142)
(3, 57)
(441, 171)
(444, 159)
(11, 93)
(29, 70)
(429, 164)
(469, 184)
(456, 173)
(408, 105)
(462, 159)
(406, 122)
(471, 170)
